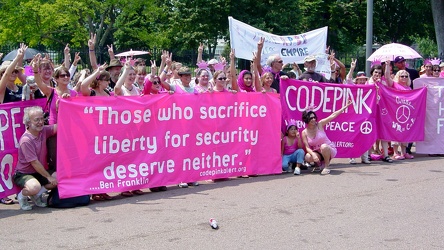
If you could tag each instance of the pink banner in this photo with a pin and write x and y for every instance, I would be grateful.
(126, 143)
(11, 129)
(354, 131)
(401, 114)
(434, 122)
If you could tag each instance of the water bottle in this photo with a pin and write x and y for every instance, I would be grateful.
(213, 223)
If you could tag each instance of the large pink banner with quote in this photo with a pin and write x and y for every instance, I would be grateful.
(401, 114)
(126, 143)
(354, 131)
(11, 129)
(434, 121)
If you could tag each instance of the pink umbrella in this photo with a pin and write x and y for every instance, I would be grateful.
(133, 53)
(392, 50)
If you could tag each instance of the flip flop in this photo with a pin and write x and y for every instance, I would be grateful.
(6, 201)
(138, 192)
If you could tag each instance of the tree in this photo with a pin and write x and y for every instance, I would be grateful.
(438, 20)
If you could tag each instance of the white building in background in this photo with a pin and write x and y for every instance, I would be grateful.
(219, 48)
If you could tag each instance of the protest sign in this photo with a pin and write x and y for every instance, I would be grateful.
(126, 143)
(291, 48)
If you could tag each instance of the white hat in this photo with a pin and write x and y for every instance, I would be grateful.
(212, 61)
(309, 59)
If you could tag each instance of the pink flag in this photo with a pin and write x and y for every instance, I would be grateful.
(401, 114)
(354, 131)
(126, 143)
(11, 129)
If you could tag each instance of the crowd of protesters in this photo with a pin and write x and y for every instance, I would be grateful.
(36, 169)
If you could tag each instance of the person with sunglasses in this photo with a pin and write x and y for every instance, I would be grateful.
(401, 81)
(53, 94)
(274, 65)
(317, 145)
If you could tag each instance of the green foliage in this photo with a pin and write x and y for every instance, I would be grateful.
(426, 47)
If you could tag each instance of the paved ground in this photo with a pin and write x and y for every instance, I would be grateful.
(378, 206)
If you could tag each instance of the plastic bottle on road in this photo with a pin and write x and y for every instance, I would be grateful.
(213, 223)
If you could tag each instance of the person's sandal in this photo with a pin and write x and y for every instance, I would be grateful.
(126, 194)
(387, 159)
(107, 197)
(6, 201)
(138, 192)
(97, 197)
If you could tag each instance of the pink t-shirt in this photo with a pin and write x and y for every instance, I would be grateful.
(53, 106)
(33, 148)
(288, 150)
(400, 87)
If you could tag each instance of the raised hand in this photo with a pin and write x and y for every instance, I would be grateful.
(66, 50)
(201, 48)
(35, 62)
(76, 58)
(260, 43)
(353, 63)
(92, 41)
(110, 49)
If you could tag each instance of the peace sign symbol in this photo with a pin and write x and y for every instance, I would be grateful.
(366, 127)
(403, 114)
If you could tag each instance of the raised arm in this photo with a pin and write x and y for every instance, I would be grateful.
(163, 58)
(335, 114)
(352, 69)
(234, 85)
(122, 78)
(10, 69)
(388, 77)
(162, 76)
(73, 68)
(260, 46)
(35, 64)
(67, 56)
(92, 52)
(200, 52)
(255, 72)
(84, 87)
(340, 64)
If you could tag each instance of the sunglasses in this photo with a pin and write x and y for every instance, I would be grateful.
(15, 71)
(436, 70)
(64, 75)
(404, 76)
(156, 82)
(280, 61)
(222, 78)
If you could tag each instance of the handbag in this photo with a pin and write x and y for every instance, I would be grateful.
(47, 109)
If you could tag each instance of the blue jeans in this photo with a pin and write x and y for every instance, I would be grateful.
(297, 156)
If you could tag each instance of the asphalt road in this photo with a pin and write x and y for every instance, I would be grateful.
(377, 206)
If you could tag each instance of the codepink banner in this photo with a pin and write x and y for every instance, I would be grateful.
(401, 114)
(126, 143)
(354, 131)
(11, 129)
(434, 116)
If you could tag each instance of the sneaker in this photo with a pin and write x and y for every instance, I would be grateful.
(365, 160)
(398, 157)
(289, 169)
(325, 171)
(297, 171)
(183, 185)
(408, 156)
(352, 161)
(24, 204)
(37, 199)
(193, 184)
